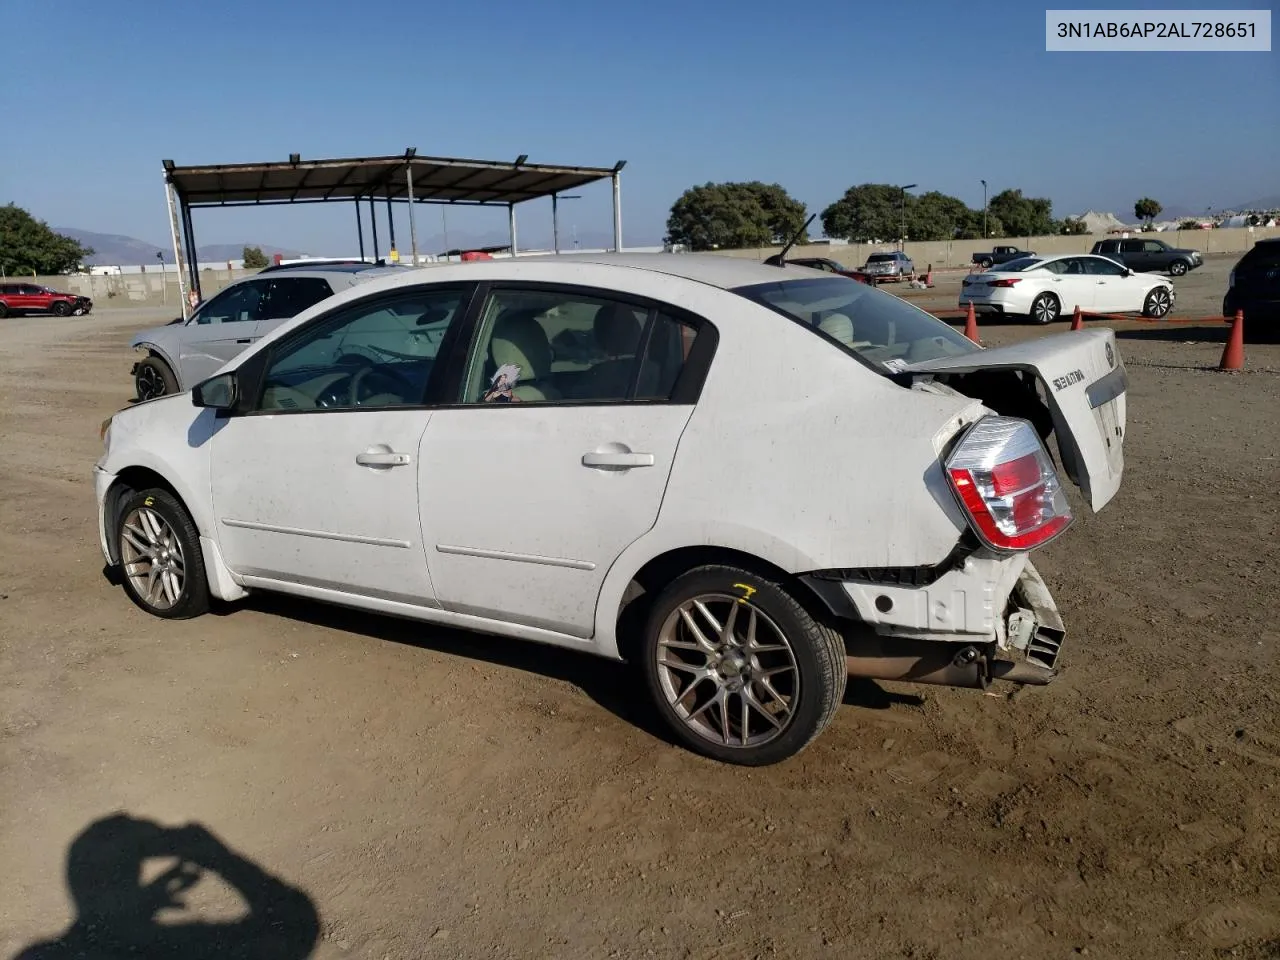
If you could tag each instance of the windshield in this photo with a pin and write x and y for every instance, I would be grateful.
(882, 329)
(1022, 263)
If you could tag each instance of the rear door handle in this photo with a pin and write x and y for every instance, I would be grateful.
(383, 459)
(617, 459)
(245, 340)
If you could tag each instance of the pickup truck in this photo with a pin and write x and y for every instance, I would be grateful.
(1000, 255)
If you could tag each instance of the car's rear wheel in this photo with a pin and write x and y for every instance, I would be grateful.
(738, 669)
(1045, 309)
(1179, 267)
(153, 378)
(1158, 303)
(160, 558)
(4, 311)
(985, 263)
(61, 308)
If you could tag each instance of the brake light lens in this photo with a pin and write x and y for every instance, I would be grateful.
(1004, 479)
(1004, 283)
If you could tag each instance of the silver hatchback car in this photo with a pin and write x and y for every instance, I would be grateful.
(183, 353)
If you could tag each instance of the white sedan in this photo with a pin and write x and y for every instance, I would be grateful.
(1044, 289)
(752, 480)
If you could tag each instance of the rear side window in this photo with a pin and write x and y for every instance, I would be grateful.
(1263, 256)
(289, 296)
(569, 346)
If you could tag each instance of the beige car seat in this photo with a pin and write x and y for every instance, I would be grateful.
(838, 327)
(518, 338)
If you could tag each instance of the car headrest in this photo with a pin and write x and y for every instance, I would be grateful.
(617, 330)
(838, 327)
(518, 338)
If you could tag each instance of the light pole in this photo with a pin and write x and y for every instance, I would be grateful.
(984, 208)
(555, 217)
(903, 241)
(164, 278)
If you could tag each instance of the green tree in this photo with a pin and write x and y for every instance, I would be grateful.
(784, 214)
(1023, 216)
(937, 216)
(1189, 225)
(728, 216)
(1147, 209)
(254, 258)
(867, 213)
(28, 244)
(1074, 226)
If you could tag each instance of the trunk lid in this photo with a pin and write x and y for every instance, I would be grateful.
(1083, 382)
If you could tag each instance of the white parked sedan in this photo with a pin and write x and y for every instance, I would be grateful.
(1044, 289)
(781, 477)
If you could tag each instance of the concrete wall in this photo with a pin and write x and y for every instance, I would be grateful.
(135, 289)
(959, 253)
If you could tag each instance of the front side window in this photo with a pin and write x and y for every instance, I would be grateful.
(567, 346)
(377, 353)
(880, 328)
(239, 304)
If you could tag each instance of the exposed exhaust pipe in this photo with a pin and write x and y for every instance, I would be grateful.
(941, 664)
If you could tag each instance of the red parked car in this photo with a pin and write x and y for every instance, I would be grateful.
(18, 298)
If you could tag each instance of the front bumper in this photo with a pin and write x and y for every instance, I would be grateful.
(102, 481)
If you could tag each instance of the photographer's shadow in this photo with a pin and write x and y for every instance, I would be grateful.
(118, 914)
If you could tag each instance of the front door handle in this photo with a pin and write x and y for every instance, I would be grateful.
(617, 459)
(383, 459)
(245, 340)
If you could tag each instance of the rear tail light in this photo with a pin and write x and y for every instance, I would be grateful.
(1006, 483)
(1004, 283)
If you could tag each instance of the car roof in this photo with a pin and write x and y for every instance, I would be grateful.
(716, 270)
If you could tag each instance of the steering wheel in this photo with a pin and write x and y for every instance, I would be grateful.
(358, 378)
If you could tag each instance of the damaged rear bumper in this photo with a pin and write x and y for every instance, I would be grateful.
(982, 620)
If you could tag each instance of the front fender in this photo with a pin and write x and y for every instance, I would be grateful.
(165, 353)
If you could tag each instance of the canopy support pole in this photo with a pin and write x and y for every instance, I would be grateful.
(179, 254)
(511, 220)
(413, 227)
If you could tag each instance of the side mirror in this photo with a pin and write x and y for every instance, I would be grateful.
(220, 392)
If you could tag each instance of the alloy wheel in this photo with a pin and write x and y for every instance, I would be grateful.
(1045, 309)
(151, 555)
(727, 671)
(149, 383)
(1159, 302)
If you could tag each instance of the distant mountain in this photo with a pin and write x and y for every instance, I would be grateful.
(113, 249)
(1271, 202)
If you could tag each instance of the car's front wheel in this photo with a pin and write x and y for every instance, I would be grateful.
(160, 558)
(153, 378)
(61, 308)
(1158, 303)
(1045, 309)
(739, 669)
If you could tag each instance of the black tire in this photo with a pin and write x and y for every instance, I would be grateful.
(985, 263)
(1045, 309)
(153, 378)
(176, 549)
(1179, 267)
(4, 311)
(1158, 303)
(60, 308)
(812, 656)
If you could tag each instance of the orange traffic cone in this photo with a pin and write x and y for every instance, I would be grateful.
(1077, 322)
(928, 276)
(1233, 354)
(971, 325)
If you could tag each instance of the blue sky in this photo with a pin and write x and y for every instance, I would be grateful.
(816, 97)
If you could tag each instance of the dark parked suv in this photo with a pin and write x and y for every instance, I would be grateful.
(1254, 287)
(1149, 256)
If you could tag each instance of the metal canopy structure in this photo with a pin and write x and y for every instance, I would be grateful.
(404, 179)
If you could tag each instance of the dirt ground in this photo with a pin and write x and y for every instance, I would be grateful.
(428, 793)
